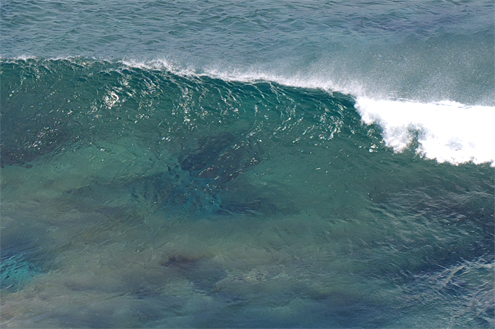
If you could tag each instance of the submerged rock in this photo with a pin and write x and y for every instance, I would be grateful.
(201, 271)
(203, 179)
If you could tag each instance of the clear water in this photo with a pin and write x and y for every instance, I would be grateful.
(223, 164)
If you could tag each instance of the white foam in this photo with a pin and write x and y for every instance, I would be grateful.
(447, 131)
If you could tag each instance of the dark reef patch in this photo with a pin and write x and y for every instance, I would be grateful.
(203, 272)
(205, 179)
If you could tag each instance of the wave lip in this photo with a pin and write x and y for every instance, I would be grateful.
(446, 131)
(246, 75)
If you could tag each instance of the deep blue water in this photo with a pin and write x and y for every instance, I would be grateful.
(224, 164)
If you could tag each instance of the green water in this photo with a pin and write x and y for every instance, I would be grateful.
(141, 198)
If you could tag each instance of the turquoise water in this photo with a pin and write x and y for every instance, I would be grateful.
(218, 164)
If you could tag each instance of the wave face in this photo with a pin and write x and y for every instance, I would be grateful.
(94, 100)
(445, 131)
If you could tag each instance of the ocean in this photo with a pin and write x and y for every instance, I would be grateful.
(281, 164)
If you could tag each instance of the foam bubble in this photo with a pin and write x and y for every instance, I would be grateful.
(447, 131)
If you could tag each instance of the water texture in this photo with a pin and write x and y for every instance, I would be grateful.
(222, 164)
